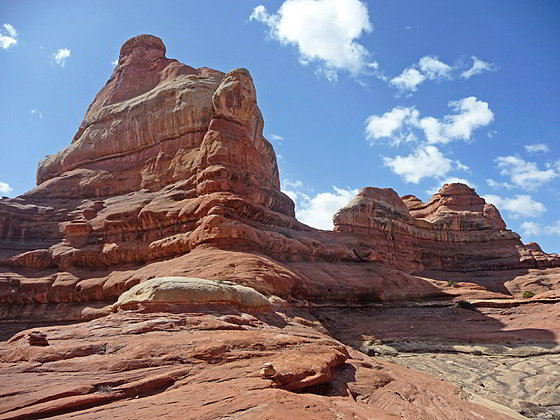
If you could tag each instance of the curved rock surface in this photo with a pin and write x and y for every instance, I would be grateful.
(169, 175)
(169, 169)
(201, 365)
(190, 290)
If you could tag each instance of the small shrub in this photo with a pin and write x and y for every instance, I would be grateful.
(528, 294)
(452, 283)
(104, 388)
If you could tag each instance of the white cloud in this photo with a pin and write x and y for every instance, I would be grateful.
(5, 188)
(409, 80)
(492, 133)
(37, 113)
(520, 205)
(495, 184)
(523, 174)
(433, 68)
(319, 210)
(11, 30)
(553, 229)
(115, 63)
(389, 123)
(470, 114)
(288, 184)
(324, 32)
(478, 67)
(276, 137)
(61, 55)
(530, 228)
(536, 148)
(397, 124)
(426, 161)
(535, 229)
(462, 167)
(428, 67)
(8, 36)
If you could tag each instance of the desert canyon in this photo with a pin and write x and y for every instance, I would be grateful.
(157, 266)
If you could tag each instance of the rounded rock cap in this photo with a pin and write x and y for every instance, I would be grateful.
(145, 40)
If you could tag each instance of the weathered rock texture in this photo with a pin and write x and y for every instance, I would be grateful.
(206, 365)
(179, 290)
(169, 175)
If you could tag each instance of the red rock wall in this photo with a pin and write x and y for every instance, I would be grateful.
(169, 174)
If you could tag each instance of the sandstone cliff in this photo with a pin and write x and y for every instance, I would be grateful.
(169, 176)
(169, 171)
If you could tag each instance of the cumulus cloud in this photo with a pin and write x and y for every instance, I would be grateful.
(427, 161)
(8, 36)
(409, 80)
(537, 148)
(397, 124)
(433, 68)
(5, 188)
(523, 174)
(462, 167)
(478, 67)
(391, 123)
(535, 229)
(492, 133)
(324, 32)
(553, 229)
(530, 228)
(520, 205)
(317, 210)
(61, 55)
(495, 184)
(428, 67)
(288, 184)
(470, 114)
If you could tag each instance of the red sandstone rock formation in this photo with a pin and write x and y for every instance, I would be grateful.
(126, 366)
(169, 175)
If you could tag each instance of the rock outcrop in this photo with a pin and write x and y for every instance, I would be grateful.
(185, 290)
(206, 365)
(169, 174)
(455, 231)
(163, 225)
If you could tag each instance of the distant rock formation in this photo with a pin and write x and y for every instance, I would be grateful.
(169, 174)
(455, 231)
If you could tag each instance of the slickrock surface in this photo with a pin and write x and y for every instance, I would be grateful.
(170, 177)
(202, 365)
(509, 355)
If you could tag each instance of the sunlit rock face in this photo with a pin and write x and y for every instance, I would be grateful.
(456, 230)
(169, 174)
(163, 226)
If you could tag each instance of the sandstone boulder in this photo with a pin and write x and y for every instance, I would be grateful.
(191, 290)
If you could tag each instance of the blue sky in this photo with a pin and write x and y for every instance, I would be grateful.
(401, 94)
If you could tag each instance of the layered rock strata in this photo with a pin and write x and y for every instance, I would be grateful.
(456, 230)
(169, 174)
